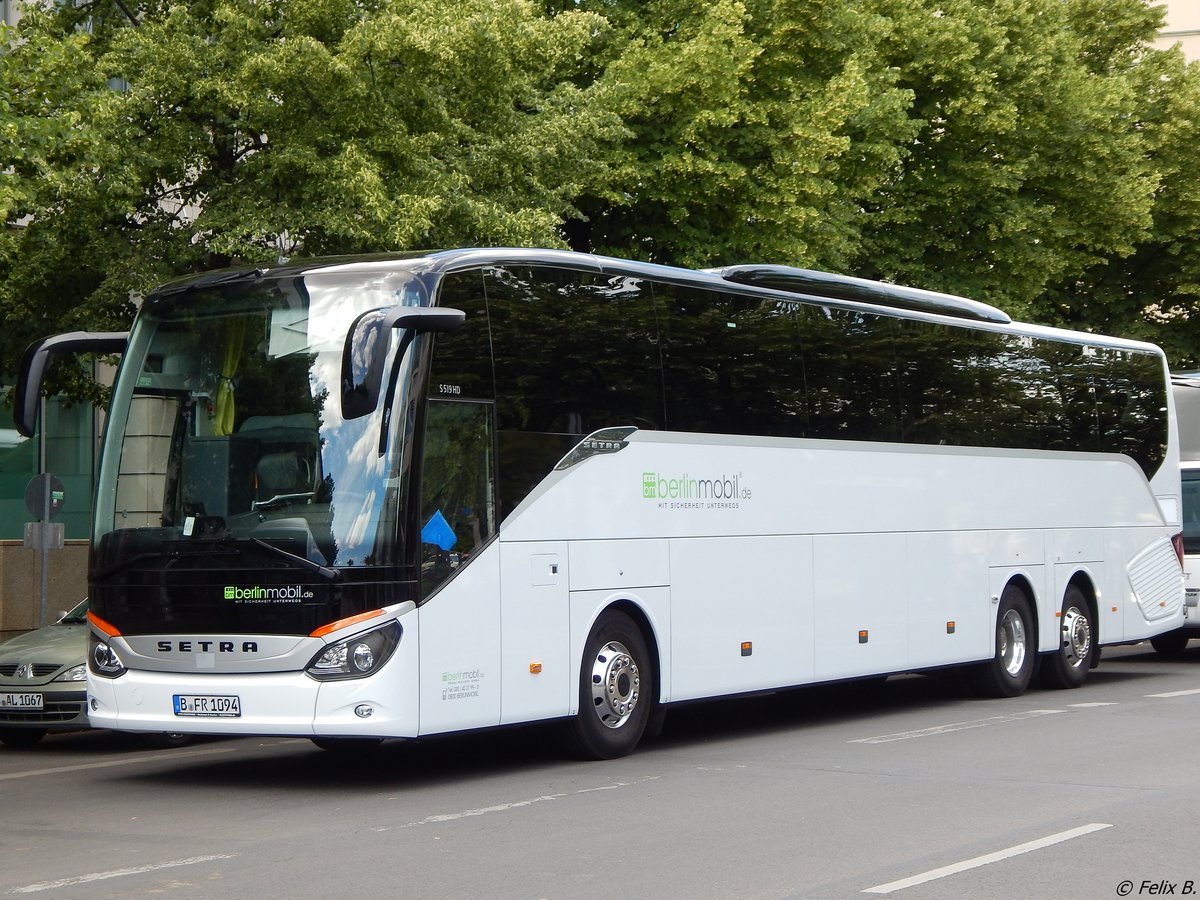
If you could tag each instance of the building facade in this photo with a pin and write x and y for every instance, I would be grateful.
(1182, 27)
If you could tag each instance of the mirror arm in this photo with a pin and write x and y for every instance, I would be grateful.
(36, 362)
(360, 399)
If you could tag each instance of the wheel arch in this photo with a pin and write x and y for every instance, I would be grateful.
(645, 623)
(1021, 582)
(1083, 580)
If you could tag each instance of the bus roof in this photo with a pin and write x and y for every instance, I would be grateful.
(802, 284)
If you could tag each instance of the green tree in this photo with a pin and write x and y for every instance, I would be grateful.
(1026, 168)
(1152, 291)
(205, 133)
(757, 127)
(1035, 154)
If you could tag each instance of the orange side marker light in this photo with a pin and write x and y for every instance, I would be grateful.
(108, 628)
(343, 623)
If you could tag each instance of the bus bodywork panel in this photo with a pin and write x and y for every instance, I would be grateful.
(954, 517)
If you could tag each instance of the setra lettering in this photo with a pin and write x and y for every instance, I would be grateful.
(205, 647)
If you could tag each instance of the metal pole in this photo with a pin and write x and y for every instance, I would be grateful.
(44, 554)
(43, 525)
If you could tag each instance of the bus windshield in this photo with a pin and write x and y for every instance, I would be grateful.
(227, 427)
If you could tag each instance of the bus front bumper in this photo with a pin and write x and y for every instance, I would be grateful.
(287, 703)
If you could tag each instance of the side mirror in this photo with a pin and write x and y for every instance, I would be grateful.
(366, 348)
(37, 360)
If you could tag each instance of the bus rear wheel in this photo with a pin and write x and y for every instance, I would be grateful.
(1008, 672)
(616, 684)
(1067, 667)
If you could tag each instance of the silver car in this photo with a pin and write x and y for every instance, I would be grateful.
(43, 680)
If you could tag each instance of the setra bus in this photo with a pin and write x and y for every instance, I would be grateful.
(357, 499)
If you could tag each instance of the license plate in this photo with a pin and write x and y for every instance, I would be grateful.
(223, 705)
(21, 701)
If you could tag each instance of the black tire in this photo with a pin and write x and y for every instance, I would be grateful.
(21, 737)
(166, 740)
(616, 690)
(1067, 667)
(348, 745)
(1173, 643)
(1008, 672)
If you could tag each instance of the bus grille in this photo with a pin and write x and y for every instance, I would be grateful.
(1157, 581)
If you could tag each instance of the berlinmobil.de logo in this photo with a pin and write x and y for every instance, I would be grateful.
(688, 492)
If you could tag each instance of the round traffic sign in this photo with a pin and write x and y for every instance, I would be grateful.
(36, 500)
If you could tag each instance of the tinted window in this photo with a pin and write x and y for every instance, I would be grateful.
(732, 364)
(578, 351)
(1191, 510)
(574, 351)
(562, 352)
(457, 479)
(462, 359)
(850, 373)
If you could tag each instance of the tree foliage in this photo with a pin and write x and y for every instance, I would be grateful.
(225, 130)
(1035, 154)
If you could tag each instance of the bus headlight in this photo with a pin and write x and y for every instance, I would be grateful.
(103, 659)
(356, 657)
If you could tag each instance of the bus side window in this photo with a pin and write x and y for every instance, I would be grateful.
(574, 352)
(458, 508)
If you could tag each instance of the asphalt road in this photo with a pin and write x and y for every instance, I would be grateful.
(912, 789)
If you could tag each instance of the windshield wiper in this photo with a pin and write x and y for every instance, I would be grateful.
(118, 567)
(324, 571)
(281, 500)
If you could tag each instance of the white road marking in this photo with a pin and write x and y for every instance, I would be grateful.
(123, 761)
(516, 804)
(956, 726)
(1091, 705)
(116, 873)
(978, 861)
(1176, 693)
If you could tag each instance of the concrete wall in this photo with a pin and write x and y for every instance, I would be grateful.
(19, 582)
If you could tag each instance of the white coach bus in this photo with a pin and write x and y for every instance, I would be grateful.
(362, 499)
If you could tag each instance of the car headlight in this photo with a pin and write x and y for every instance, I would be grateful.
(356, 657)
(75, 673)
(103, 659)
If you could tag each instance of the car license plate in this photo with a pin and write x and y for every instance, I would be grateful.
(21, 701)
(224, 705)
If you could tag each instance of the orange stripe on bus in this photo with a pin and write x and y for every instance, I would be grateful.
(342, 623)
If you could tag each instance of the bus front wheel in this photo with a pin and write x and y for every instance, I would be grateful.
(349, 746)
(616, 685)
(1008, 672)
(1067, 667)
